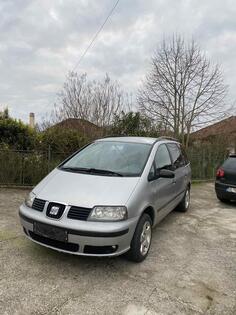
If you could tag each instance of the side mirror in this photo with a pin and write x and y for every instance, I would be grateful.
(151, 176)
(166, 173)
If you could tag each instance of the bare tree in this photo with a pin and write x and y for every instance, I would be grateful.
(96, 101)
(183, 90)
(108, 101)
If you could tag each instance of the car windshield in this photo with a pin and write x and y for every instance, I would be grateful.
(110, 158)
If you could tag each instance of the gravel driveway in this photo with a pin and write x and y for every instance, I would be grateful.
(191, 268)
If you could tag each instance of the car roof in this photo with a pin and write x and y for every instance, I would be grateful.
(145, 140)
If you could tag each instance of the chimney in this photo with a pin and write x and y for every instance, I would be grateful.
(31, 120)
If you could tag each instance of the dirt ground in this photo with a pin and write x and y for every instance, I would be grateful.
(191, 268)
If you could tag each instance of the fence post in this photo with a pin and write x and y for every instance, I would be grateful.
(22, 169)
(49, 157)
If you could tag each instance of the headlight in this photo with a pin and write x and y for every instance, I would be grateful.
(30, 199)
(108, 213)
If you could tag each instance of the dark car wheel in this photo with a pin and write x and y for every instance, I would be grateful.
(222, 199)
(141, 241)
(183, 206)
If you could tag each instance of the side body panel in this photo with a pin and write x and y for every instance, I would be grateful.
(161, 194)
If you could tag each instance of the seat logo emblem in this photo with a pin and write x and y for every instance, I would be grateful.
(54, 210)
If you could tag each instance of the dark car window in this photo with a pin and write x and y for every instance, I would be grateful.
(177, 157)
(162, 158)
(230, 163)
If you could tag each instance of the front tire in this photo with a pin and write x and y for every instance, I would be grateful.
(141, 241)
(222, 199)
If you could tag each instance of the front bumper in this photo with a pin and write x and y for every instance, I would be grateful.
(83, 237)
(221, 191)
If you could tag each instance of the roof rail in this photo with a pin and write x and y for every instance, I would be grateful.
(167, 138)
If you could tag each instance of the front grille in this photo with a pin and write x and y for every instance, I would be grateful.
(38, 204)
(78, 213)
(71, 247)
(55, 210)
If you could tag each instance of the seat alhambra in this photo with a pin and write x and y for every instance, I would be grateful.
(105, 199)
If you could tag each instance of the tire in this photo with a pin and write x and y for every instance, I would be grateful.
(138, 249)
(222, 199)
(183, 206)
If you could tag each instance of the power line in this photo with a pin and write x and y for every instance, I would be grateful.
(96, 35)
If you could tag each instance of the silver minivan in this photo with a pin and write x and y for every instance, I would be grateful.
(105, 199)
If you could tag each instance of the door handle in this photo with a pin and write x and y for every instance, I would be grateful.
(174, 181)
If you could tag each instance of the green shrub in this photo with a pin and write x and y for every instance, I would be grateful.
(16, 135)
(132, 124)
(62, 140)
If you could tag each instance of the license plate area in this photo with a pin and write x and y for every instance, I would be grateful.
(231, 189)
(51, 232)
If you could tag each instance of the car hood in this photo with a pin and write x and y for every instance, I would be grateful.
(85, 190)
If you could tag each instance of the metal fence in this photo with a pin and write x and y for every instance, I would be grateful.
(204, 163)
(29, 167)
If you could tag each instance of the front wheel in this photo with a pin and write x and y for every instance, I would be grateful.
(222, 199)
(141, 241)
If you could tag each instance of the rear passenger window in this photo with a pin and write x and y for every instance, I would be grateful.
(162, 158)
(177, 157)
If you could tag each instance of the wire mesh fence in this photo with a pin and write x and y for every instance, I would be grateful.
(29, 167)
(205, 164)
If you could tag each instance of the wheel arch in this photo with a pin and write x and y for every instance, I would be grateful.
(151, 212)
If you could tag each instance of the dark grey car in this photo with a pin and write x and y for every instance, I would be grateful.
(225, 184)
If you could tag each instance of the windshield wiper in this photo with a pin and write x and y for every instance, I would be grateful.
(91, 170)
(74, 169)
(101, 171)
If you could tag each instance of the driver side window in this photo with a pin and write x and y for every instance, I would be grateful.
(162, 158)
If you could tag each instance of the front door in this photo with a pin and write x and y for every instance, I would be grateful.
(178, 161)
(162, 189)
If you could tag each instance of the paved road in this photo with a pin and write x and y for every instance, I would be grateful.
(191, 268)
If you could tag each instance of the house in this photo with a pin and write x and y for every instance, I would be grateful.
(84, 127)
(222, 132)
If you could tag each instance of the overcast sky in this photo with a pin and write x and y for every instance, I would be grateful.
(41, 40)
